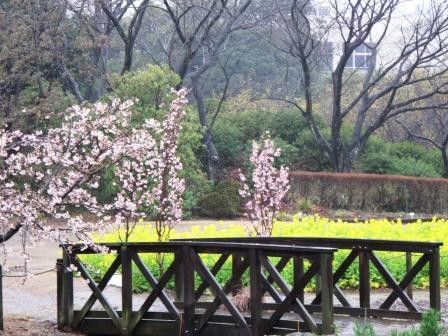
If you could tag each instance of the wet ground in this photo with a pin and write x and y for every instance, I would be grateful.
(30, 306)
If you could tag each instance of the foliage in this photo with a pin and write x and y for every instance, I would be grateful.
(315, 226)
(406, 158)
(235, 129)
(363, 329)
(150, 86)
(234, 132)
(431, 325)
(40, 50)
(305, 205)
(411, 332)
(222, 201)
(42, 112)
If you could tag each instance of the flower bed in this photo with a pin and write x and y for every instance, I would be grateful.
(312, 226)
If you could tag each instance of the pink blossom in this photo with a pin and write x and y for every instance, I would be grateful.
(269, 186)
(62, 168)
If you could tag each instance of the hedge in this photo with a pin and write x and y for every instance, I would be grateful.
(371, 192)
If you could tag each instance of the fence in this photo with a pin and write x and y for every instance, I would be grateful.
(193, 313)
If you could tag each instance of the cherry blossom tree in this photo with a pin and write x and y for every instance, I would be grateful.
(267, 189)
(44, 177)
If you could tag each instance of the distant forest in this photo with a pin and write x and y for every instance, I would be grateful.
(322, 76)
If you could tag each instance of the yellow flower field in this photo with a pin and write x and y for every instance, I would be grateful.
(314, 226)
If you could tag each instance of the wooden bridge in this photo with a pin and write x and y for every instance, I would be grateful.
(365, 251)
(277, 306)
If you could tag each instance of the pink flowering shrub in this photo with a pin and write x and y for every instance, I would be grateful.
(267, 189)
(44, 177)
(170, 187)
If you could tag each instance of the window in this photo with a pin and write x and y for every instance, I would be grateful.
(323, 11)
(362, 58)
(326, 55)
(318, 11)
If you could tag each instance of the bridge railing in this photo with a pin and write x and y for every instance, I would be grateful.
(194, 312)
(365, 253)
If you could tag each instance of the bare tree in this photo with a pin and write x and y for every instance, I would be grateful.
(401, 52)
(192, 44)
(97, 29)
(115, 10)
(35, 54)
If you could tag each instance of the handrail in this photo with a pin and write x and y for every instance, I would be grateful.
(212, 245)
(338, 243)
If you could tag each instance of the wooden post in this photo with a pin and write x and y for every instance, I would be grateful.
(298, 273)
(67, 288)
(409, 289)
(364, 279)
(326, 268)
(1, 298)
(60, 294)
(236, 262)
(126, 288)
(255, 292)
(318, 286)
(434, 279)
(189, 305)
(179, 279)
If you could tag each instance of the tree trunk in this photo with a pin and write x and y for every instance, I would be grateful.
(98, 88)
(347, 164)
(10, 233)
(445, 161)
(69, 81)
(128, 53)
(212, 156)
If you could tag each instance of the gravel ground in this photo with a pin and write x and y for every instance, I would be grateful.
(16, 325)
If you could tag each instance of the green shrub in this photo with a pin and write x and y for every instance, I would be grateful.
(411, 332)
(222, 201)
(363, 329)
(430, 325)
(288, 124)
(305, 205)
(409, 166)
(310, 155)
(378, 163)
(234, 132)
(407, 158)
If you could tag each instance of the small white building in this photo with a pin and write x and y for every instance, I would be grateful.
(379, 48)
